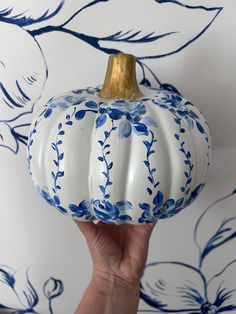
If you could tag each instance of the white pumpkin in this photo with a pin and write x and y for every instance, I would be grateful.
(119, 161)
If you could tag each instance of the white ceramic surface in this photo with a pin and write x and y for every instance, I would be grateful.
(119, 161)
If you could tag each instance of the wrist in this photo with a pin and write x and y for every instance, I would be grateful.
(121, 295)
(109, 280)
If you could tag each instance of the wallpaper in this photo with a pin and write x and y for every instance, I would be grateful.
(53, 46)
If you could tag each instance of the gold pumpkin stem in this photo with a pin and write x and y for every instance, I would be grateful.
(120, 81)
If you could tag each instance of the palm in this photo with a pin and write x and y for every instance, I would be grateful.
(121, 250)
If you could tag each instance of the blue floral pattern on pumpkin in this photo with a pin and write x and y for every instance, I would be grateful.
(123, 116)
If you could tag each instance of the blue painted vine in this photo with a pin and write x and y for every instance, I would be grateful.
(25, 294)
(125, 118)
(20, 90)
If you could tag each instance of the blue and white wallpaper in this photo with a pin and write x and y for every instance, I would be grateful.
(49, 47)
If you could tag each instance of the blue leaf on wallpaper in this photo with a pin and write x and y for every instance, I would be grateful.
(216, 233)
(149, 121)
(21, 82)
(169, 28)
(25, 13)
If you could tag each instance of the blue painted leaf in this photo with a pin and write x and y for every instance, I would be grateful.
(59, 126)
(144, 206)
(145, 82)
(53, 174)
(110, 165)
(21, 83)
(25, 13)
(115, 114)
(60, 173)
(102, 188)
(125, 218)
(101, 120)
(107, 134)
(140, 129)
(200, 127)
(124, 129)
(218, 222)
(80, 114)
(149, 121)
(188, 154)
(179, 202)
(101, 143)
(62, 209)
(47, 113)
(69, 122)
(151, 152)
(106, 146)
(169, 87)
(150, 179)
(100, 158)
(61, 156)
(59, 142)
(149, 191)
(147, 144)
(158, 199)
(147, 163)
(56, 200)
(124, 205)
(55, 162)
(105, 173)
(186, 174)
(162, 36)
(107, 196)
(91, 104)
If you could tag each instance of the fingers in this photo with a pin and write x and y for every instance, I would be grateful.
(88, 228)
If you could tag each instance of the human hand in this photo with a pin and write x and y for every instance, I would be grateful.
(119, 254)
(119, 251)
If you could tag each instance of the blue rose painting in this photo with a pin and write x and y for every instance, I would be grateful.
(23, 76)
(208, 287)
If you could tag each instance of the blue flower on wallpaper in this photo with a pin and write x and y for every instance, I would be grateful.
(22, 23)
(207, 287)
(16, 288)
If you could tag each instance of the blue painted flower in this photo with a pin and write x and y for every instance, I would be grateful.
(52, 289)
(44, 192)
(175, 287)
(179, 107)
(21, 295)
(81, 210)
(105, 210)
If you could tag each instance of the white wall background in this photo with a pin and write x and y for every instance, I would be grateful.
(36, 237)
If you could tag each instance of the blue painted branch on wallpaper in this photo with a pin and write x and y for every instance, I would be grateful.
(23, 294)
(21, 90)
(178, 287)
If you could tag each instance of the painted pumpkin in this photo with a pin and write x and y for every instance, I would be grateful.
(120, 154)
